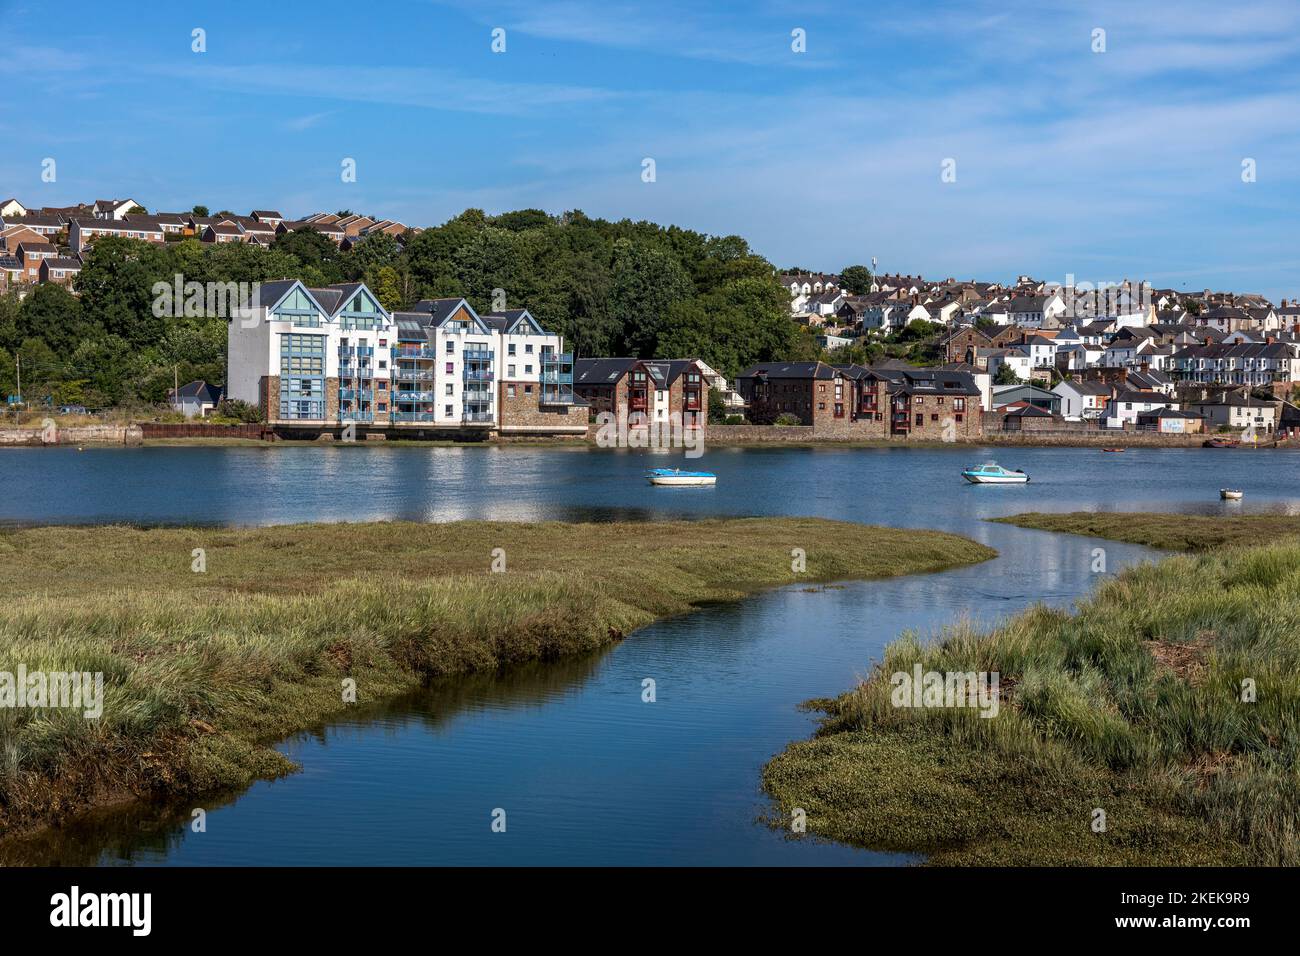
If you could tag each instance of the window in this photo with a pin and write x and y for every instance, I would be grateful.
(919, 400)
(510, 390)
(450, 367)
(528, 348)
(934, 416)
(451, 347)
(528, 389)
(510, 370)
(446, 410)
(510, 349)
(528, 370)
(449, 389)
(920, 419)
(959, 405)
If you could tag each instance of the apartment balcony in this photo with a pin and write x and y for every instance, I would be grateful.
(356, 371)
(477, 355)
(478, 374)
(356, 351)
(414, 352)
(477, 416)
(557, 369)
(357, 415)
(356, 394)
(411, 416)
(413, 374)
(413, 396)
(556, 395)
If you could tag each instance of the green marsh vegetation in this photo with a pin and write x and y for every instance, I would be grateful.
(1169, 699)
(204, 670)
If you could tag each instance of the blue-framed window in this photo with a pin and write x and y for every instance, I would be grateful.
(302, 376)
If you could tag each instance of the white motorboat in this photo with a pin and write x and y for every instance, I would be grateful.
(678, 478)
(1230, 494)
(991, 473)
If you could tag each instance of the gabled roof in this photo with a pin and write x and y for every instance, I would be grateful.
(1090, 387)
(200, 390)
(440, 310)
(512, 318)
(270, 294)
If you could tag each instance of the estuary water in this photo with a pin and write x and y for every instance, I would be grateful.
(584, 770)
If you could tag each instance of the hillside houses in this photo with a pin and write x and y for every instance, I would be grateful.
(64, 235)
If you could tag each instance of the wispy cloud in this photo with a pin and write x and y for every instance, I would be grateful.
(301, 123)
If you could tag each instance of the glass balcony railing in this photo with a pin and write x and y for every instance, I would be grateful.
(414, 352)
(477, 374)
(477, 355)
(413, 374)
(356, 351)
(401, 396)
(553, 394)
(411, 416)
(347, 415)
(356, 394)
(477, 416)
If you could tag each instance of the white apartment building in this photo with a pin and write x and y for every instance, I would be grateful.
(322, 358)
(312, 356)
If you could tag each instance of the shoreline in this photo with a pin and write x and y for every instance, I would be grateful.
(1133, 703)
(206, 670)
(131, 438)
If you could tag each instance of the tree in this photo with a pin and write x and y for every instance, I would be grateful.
(312, 250)
(1006, 375)
(200, 210)
(717, 407)
(137, 211)
(387, 286)
(646, 283)
(856, 279)
(53, 314)
(372, 252)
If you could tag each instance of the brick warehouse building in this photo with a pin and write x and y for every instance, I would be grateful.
(854, 401)
(641, 391)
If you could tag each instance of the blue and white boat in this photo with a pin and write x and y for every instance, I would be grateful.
(677, 477)
(991, 473)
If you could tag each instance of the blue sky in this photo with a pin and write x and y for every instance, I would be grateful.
(1107, 166)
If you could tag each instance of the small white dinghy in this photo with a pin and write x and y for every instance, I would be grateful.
(678, 478)
(991, 473)
(1230, 494)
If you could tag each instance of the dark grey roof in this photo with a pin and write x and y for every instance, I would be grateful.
(789, 370)
(330, 299)
(1169, 413)
(269, 293)
(1089, 387)
(201, 390)
(1148, 397)
(601, 371)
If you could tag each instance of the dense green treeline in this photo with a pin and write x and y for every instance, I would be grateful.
(611, 288)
